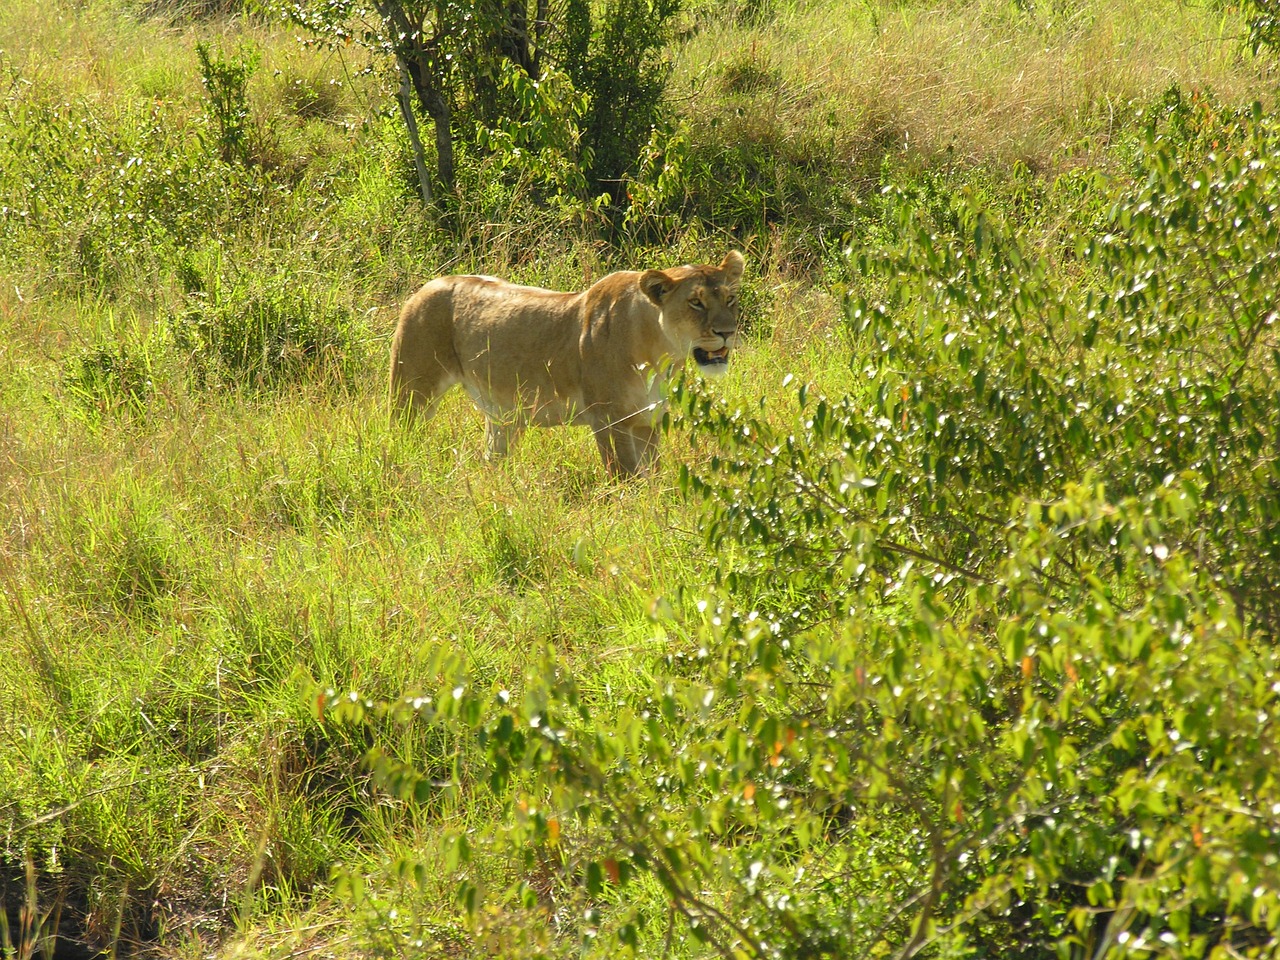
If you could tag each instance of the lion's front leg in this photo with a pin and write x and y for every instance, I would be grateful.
(644, 445)
(500, 436)
(627, 449)
(622, 414)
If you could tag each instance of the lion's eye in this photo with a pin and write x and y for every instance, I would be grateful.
(730, 301)
(697, 304)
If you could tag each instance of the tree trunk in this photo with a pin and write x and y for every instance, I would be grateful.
(514, 37)
(540, 24)
(436, 105)
(415, 54)
(415, 142)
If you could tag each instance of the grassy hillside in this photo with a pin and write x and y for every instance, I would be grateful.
(208, 521)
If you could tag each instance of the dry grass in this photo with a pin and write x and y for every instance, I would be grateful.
(984, 81)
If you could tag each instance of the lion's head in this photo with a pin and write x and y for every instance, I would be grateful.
(699, 307)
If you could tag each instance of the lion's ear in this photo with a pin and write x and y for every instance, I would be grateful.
(656, 285)
(732, 266)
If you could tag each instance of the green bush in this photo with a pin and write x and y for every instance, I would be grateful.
(753, 178)
(615, 59)
(100, 196)
(539, 149)
(1263, 18)
(992, 669)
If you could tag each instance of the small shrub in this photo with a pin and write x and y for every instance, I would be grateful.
(615, 59)
(112, 377)
(226, 85)
(660, 191)
(747, 73)
(1263, 18)
(101, 201)
(264, 333)
(541, 149)
(312, 97)
(754, 179)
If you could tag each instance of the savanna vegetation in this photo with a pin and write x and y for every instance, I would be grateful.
(946, 627)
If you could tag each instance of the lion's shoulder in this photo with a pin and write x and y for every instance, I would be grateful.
(618, 299)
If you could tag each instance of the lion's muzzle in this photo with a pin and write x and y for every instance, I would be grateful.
(712, 361)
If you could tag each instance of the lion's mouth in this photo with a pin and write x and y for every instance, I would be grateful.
(711, 358)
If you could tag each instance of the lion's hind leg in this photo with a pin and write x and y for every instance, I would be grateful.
(424, 363)
(418, 397)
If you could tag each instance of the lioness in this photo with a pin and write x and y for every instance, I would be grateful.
(597, 358)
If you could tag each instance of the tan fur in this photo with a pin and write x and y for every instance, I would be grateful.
(596, 358)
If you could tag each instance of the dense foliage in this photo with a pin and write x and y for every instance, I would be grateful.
(459, 57)
(993, 666)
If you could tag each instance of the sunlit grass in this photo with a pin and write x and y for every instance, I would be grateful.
(184, 565)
